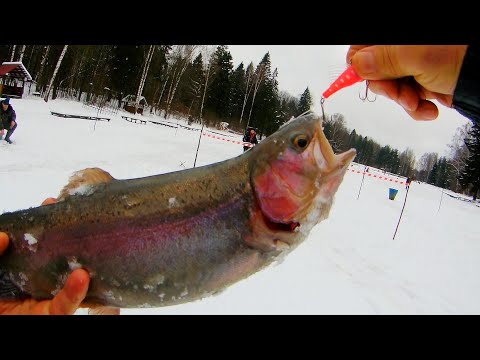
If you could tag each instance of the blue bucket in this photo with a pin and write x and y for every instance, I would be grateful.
(392, 193)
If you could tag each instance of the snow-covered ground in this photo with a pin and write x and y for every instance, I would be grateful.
(348, 265)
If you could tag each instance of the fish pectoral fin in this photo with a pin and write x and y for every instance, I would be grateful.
(84, 182)
(8, 289)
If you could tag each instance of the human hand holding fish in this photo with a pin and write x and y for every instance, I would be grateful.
(66, 302)
(177, 237)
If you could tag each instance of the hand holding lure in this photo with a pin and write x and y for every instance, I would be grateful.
(347, 78)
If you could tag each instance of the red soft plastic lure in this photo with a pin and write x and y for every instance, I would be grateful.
(347, 78)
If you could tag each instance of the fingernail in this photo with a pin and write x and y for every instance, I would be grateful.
(430, 114)
(365, 62)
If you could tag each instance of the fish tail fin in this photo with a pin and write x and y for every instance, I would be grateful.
(8, 289)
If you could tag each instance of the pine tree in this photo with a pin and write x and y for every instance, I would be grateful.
(237, 91)
(288, 106)
(127, 64)
(266, 109)
(272, 120)
(353, 139)
(470, 176)
(219, 88)
(191, 86)
(305, 102)
(432, 179)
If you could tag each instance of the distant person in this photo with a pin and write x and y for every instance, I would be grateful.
(8, 117)
(407, 183)
(249, 137)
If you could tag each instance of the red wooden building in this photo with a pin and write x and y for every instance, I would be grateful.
(13, 76)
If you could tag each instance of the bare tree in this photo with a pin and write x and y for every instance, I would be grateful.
(22, 51)
(207, 52)
(259, 76)
(31, 56)
(337, 130)
(90, 88)
(425, 165)
(195, 87)
(248, 88)
(42, 64)
(146, 66)
(13, 53)
(181, 56)
(59, 62)
(157, 104)
(407, 162)
(458, 153)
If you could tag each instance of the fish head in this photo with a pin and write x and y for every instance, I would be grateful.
(295, 174)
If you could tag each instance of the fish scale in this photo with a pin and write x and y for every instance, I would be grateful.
(177, 237)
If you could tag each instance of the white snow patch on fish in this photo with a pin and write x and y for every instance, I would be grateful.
(83, 189)
(73, 263)
(30, 239)
(172, 202)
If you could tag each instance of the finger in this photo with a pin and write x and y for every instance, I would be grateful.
(411, 98)
(353, 50)
(426, 111)
(402, 92)
(387, 88)
(408, 95)
(3, 242)
(445, 100)
(67, 301)
(49, 201)
(104, 310)
(389, 62)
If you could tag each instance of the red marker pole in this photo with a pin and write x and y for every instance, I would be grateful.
(361, 184)
(401, 212)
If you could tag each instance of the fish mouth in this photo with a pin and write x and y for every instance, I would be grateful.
(279, 226)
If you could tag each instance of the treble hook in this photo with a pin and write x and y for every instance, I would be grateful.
(366, 94)
(322, 100)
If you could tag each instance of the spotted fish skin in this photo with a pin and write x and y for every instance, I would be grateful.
(177, 237)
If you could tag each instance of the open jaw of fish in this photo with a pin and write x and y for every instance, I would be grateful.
(176, 237)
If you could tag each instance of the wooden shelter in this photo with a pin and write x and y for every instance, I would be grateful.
(128, 103)
(13, 76)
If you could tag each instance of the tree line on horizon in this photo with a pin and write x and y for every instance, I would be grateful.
(199, 82)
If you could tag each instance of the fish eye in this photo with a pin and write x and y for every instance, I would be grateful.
(301, 141)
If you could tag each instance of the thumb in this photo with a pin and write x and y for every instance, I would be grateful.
(435, 67)
(3, 242)
(381, 62)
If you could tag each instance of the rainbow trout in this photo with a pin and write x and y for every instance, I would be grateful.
(176, 237)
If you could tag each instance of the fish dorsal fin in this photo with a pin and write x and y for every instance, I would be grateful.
(84, 182)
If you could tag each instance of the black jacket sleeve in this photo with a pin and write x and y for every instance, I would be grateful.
(466, 98)
(13, 116)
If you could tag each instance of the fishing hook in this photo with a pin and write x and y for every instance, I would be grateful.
(366, 94)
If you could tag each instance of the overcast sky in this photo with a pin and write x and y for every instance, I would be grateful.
(316, 66)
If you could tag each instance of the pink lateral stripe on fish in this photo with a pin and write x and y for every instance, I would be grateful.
(177, 237)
